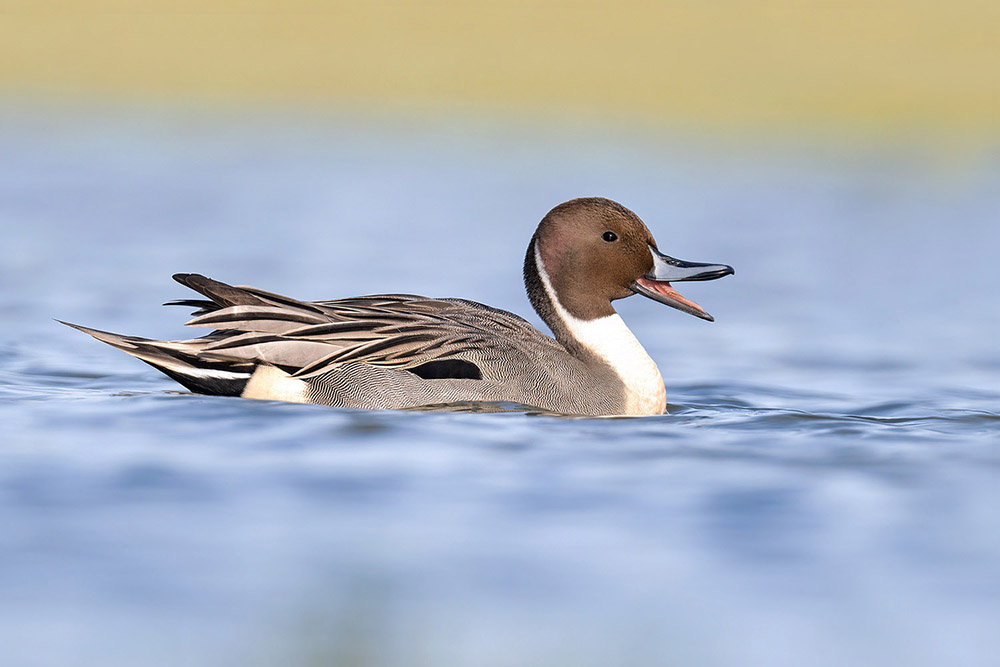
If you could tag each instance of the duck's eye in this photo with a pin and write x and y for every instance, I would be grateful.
(610, 236)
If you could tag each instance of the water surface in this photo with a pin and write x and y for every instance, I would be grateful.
(824, 490)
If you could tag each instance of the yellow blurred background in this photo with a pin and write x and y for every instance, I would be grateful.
(895, 67)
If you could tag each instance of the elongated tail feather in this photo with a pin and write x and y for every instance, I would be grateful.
(179, 360)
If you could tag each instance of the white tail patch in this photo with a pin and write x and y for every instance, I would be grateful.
(269, 383)
(610, 339)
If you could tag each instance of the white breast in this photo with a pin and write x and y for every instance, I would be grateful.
(611, 340)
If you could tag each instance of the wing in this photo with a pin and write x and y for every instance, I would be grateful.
(432, 338)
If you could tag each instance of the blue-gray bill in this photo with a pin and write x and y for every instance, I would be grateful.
(656, 284)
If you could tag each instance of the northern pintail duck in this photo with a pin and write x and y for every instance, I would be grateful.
(401, 351)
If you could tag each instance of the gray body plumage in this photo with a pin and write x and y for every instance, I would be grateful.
(380, 351)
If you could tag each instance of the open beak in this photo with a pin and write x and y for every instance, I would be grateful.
(656, 284)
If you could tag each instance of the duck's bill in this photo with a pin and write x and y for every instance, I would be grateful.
(656, 284)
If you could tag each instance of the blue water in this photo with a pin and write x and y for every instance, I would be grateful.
(824, 490)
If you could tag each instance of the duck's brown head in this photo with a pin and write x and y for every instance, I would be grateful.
(588, 252)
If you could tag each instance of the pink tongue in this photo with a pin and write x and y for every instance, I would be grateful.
(666, 289)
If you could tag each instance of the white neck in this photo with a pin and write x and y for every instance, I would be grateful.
(612, 341)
